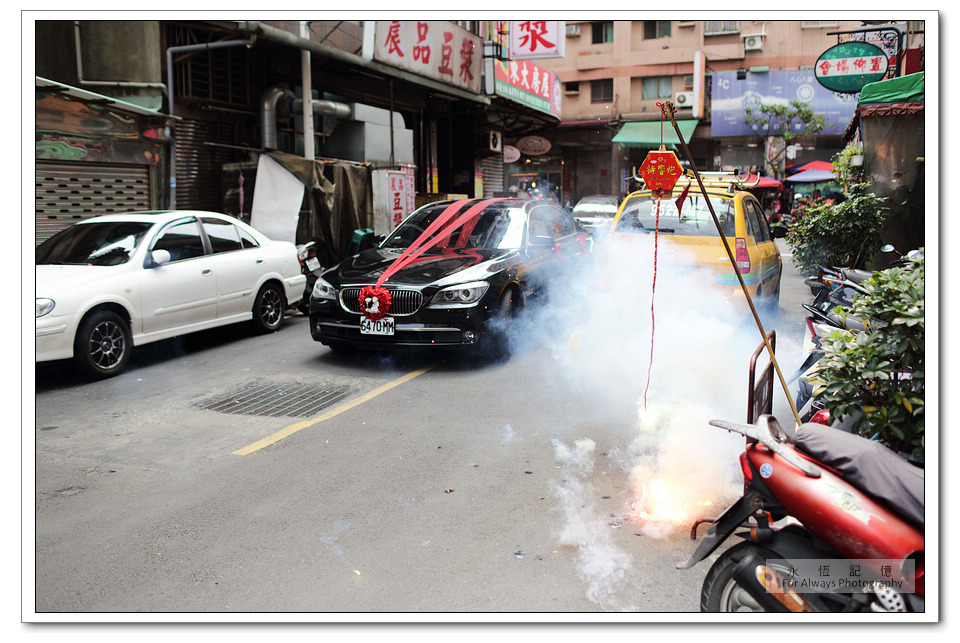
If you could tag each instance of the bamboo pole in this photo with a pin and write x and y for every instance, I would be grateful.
(668, 109)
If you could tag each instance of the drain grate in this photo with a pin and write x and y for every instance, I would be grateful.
(277, 400)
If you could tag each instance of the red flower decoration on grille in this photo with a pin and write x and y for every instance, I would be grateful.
(374, 302)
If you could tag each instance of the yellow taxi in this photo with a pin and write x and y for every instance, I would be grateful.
(692, 227)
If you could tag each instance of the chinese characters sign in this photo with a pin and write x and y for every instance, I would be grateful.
(432, 48)
(401, 195)
(537, 39)
(661, 170)
(847, 67)
(529, 84)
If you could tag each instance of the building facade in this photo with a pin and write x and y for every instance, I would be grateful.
(614, 74)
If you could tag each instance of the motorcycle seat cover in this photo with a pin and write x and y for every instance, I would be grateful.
(869, 466)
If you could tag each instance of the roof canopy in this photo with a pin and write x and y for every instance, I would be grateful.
(905, 89)
(652, 133)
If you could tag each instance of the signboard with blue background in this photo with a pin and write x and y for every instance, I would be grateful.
(732, 96)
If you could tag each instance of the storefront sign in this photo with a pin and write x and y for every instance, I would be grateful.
(510, 154)
(847, 67)
(731, 97)
(529, 84)
(533, 145)
(433, 48)
(537, 39)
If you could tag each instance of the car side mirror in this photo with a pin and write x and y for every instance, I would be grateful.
(159, 257)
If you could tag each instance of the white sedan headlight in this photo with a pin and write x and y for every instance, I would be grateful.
(323, 290)
(459, 296)
(44, 306)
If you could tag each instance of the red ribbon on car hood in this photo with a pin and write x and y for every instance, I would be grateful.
(424, 242)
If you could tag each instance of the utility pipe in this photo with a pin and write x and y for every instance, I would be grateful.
(170, 95)
(307, 83)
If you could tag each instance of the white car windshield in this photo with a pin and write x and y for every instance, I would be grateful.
(97, 244)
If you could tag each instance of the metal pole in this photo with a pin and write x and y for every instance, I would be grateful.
(669, 111)
(308, 143)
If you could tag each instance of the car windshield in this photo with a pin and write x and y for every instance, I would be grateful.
(640, 216)
(498, 226)
(97, 244)
(603, 206)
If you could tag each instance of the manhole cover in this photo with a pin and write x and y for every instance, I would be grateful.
(277, 400)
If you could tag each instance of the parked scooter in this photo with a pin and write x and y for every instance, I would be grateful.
(854, 541)
(309, 266)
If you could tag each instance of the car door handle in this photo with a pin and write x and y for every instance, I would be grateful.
(260, 260)
(206, 271)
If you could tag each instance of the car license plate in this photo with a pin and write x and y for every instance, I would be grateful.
(313, 263)
(382, 326)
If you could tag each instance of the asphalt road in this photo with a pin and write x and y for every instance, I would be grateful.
(436, 485)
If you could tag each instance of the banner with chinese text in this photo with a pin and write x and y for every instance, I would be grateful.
(432, 48)
(529, 84)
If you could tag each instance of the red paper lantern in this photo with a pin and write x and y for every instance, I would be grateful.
(660, 171)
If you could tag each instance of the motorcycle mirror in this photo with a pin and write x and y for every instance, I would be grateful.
(888, 248)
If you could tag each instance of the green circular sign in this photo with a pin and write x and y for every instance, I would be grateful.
(847, 67)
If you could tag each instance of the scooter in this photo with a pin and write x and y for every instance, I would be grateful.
(831, 522)
(309, 266)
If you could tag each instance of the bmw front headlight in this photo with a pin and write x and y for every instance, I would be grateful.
(44, 306)
(460, 296)
(323, 290)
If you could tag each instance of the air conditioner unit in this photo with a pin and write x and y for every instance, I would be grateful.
(496, 141)
(683, 99)
(753, 43)
(573, 30)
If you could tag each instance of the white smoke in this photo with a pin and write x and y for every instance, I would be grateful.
(601, 331)
(600, 563)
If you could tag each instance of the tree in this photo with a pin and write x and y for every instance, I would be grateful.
(779, 125)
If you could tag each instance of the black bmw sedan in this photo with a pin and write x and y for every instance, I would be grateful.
(453, 274)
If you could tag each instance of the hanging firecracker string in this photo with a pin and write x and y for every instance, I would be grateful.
(659, 190)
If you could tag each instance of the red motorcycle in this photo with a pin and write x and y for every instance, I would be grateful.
(842, 504)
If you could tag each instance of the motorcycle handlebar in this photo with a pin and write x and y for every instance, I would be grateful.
(768, 432)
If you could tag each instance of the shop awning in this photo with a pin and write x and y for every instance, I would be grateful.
(764, 182)
(648, 133)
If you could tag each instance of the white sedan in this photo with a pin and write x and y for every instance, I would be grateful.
(113, 282)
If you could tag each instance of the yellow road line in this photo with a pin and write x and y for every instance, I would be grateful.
(293, 428)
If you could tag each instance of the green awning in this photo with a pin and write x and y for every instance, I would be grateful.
(648, 133)
(905, 89)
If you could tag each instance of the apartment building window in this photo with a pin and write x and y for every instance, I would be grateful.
(602, 32)
(720, 27)
(655, 29)
(601, 91)
(572, 87)
(657, 87)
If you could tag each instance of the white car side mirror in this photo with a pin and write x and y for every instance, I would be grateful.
(160, 257)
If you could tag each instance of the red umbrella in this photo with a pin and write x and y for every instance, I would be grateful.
(816, 165)
(765, 182)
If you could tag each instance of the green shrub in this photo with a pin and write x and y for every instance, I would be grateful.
(861, 371)
(837, 234)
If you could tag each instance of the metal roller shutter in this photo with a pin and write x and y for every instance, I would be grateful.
(71, 192)
(492, 175)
